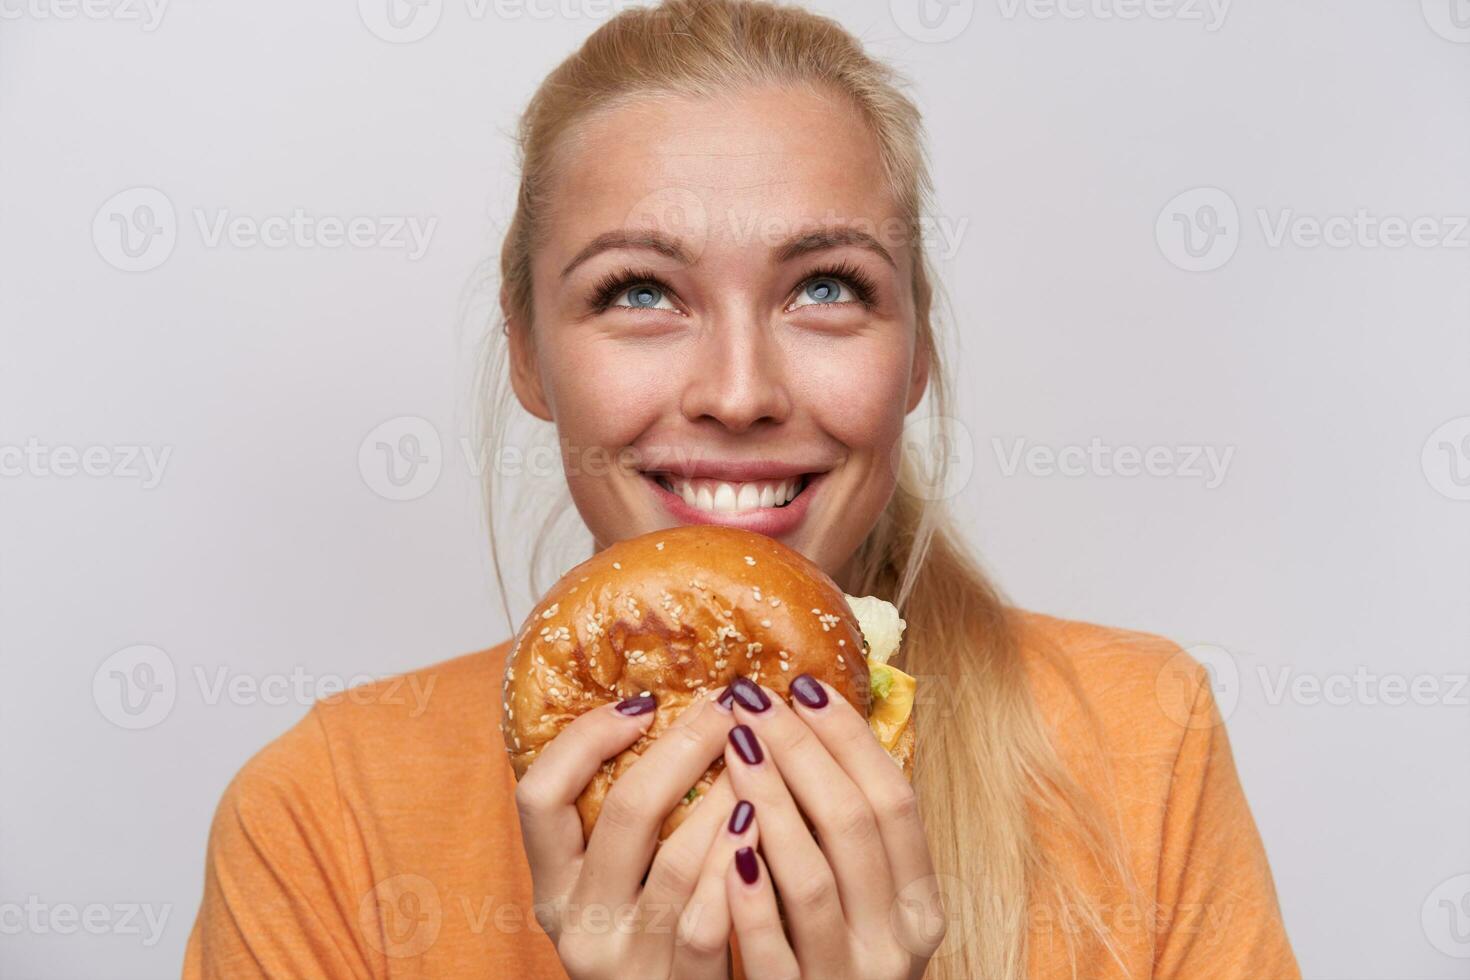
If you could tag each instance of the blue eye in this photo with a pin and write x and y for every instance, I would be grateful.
(644, 296)
(824, 290)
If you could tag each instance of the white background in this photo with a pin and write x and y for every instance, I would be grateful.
(1333, 550)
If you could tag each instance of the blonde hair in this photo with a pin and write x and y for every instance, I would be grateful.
(986, 774)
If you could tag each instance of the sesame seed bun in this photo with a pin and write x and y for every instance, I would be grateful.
(678, 613)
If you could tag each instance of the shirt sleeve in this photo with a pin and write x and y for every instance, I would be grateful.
(1218, 911)
(278, 889)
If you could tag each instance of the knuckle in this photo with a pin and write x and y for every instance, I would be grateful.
(899, 803)
(815, 893)
(620, 813)
(530, 798)
(675, 871)
(699, 936)
(854, 820)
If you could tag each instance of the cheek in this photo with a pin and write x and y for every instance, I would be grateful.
(856, 390)
(604, 394)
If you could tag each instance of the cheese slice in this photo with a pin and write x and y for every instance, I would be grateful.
(893, 701)
(893, 690)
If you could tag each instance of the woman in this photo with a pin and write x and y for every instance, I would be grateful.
(714, 276)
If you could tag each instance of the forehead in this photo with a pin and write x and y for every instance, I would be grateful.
(759, 162)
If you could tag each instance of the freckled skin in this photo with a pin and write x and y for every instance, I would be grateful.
(730, 368)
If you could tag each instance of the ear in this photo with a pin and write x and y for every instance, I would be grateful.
(525, 379)
(919, 377)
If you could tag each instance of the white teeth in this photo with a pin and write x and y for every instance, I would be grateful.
(721, 497)
(724, 497)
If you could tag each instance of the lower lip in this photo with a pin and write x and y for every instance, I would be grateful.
(773, 522)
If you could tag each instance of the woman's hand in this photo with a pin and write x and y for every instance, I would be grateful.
(841, 897)
(592, 901)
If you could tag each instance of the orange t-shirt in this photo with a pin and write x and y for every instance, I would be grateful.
(379, 836)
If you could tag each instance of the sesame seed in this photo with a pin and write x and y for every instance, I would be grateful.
(660, 546)
(765, 624)
(749, 560)
(618, 565)
(775, 602)
(547, 614)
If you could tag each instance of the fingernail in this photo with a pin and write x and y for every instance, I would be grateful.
(808, 691)
(726, 698)
(749, 694)
(740, 819)
(745, 744)
(639, 704)
(745, 864)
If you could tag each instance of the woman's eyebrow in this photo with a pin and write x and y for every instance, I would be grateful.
(833, 237)
(609, 240)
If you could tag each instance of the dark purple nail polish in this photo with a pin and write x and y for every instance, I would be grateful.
(741, 818)
(640, 704)
(808, 691)
(726, 699)
(749, 694)
(745, 744)
(745, 864)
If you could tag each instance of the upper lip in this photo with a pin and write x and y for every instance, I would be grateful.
(733, 471)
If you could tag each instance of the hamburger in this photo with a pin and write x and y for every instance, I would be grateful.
(680, 613)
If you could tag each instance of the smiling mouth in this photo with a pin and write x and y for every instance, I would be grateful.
(721, 496)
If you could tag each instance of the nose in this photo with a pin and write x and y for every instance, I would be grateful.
(737, 377)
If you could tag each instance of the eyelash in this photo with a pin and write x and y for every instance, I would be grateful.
(614, 284)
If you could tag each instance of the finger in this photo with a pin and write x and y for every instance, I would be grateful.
(633, 812)
(847, 828)
(702, 945)
(765, 953)
(802, 876)
(546, 796)
(850, 741)
(679, 860)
